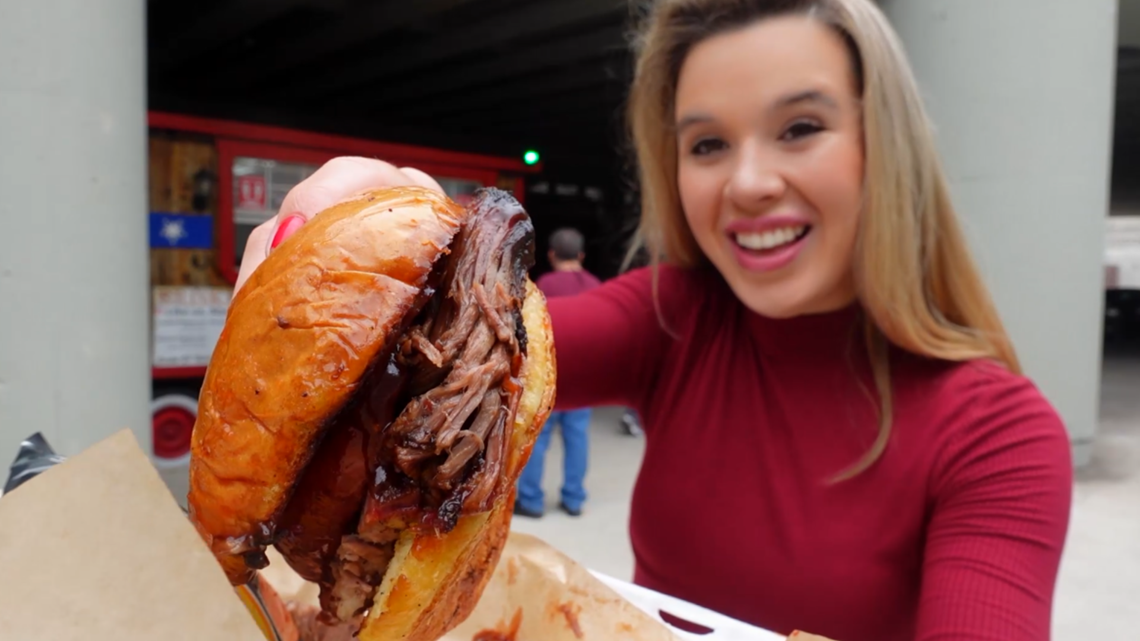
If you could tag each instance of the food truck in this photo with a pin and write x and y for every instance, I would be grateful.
(211, 183)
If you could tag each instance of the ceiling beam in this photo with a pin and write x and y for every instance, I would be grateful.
(530, 22)
(367, 23)
(529, 89)
(599, 107)
(606, 103)
(587, 130)
(553, 142)
(546, 56)
(225, 22)
(554, 139)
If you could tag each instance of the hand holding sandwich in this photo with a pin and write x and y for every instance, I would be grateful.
(337, 180)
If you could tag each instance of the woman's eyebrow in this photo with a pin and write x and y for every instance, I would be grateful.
(800, 97)
(790, 100)
(691, 119)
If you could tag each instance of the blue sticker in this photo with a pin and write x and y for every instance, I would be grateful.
(181, 231)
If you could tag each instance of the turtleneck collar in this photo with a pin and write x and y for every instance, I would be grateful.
(824, 337)
(814, 337)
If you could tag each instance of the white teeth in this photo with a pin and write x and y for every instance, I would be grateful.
(769, 239)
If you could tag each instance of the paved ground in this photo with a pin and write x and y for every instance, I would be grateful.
(1099, 591)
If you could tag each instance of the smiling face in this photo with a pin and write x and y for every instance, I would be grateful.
(770, 163)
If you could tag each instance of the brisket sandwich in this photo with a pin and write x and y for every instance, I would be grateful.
(370, 404)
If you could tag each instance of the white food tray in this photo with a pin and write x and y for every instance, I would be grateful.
(653, 603)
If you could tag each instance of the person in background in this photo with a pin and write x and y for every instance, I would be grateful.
(567, 278)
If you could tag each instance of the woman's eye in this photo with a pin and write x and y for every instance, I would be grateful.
(707, 146)
(801, 129)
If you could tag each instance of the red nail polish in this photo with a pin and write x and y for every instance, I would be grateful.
(288, 226)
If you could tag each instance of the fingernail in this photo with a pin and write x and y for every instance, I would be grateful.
(288, 226)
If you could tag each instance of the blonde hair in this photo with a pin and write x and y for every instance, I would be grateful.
(916, 280)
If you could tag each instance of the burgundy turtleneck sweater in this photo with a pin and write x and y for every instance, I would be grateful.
(955, 534)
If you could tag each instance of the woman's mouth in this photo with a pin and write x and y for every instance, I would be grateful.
(768, 250)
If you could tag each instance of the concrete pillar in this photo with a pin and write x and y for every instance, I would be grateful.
(1022, 94)
(73, 246)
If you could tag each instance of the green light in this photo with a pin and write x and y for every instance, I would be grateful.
(530, 157)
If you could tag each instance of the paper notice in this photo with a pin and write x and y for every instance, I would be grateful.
(187, 323)
(96, 549)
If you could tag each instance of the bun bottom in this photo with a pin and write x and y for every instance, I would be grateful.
(434, 581)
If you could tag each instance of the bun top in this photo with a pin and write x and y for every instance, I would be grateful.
(299, 337)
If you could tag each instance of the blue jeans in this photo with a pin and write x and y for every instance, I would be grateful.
(574, 424)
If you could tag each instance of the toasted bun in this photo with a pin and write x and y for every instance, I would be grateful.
(434, 582)
(336, 292)
(299, 339)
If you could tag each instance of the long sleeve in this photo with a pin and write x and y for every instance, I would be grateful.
(607, 342)
(1002, 493)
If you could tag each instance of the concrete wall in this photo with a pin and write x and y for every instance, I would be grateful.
(73, 234)
(1022, 94)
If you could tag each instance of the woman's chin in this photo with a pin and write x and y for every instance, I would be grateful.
(770, 301)
(789, 299)
(799, 288)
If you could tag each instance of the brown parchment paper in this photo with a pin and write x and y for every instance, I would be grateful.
(97, 549)
(535, 594)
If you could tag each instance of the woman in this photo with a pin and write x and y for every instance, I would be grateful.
(838, 436)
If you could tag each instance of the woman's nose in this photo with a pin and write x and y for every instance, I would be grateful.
(755, 180)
